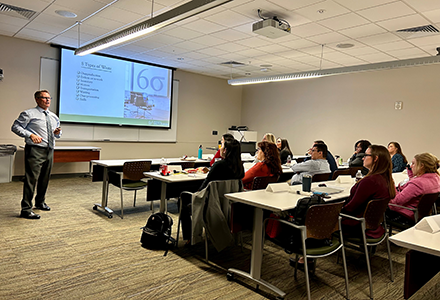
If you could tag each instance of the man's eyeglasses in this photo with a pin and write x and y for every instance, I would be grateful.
(45, 98)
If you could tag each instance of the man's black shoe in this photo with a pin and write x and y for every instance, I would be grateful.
(29, 215)
(44, 206)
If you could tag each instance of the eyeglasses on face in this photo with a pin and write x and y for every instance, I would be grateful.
(365, 155)
(45, 98)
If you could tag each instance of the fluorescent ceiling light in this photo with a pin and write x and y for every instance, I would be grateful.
(174, 15)
(339, 71)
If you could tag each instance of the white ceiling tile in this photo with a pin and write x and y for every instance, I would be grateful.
(424, 5)
(379, 39)
(251, 53)
(104, 23)
(34, 35)
(212, 51)
(229, 18)
(175, 50)
(194, 55)
(231, 47)
(309, 29)
(358, 5)
(250, 9)
(208, 40)
(331, 37)
(426, 41)
(342, 58)
(344, 21)
(183, 33)
(432, 15)
(35, 5)
(142, 7)
(230, 35)
(12, 21)
(292, 54)
(408, 53)
(204, 26)
(403, 22)
(357, 51)
(190, 45)
(376, 57)
(394, 46)
(387, 11)
(330, 8)
(291, 5)
(124, 16)
(300, 44)
(317, 50)
(253, 42)
(363, 30)
(274, 48)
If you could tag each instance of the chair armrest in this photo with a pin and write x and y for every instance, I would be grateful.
(400, 206)
(351, 217)
(285, 222)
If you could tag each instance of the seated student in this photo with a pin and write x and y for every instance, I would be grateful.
(359, 149)
(226, 136)
(317, 165)
(230, 167)
(269, 137)
(423, 179)
(284, 149)
(377, 184)
(397, 158)
(331, 160)
(269, 164)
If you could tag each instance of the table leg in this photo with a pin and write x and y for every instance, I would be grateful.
(163, 198)
(257, 255)
(104, 198)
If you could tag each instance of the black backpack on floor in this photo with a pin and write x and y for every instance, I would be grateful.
(157, 233)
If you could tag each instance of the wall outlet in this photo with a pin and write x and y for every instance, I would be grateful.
(214, 132)
(398, 105)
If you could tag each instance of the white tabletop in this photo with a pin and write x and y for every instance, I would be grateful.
(418, 240)
(154, 161)
(282, 201)
(175, 177)
(398, 177)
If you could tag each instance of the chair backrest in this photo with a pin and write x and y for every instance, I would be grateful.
(354, 170)
(320, 177)
(261, 182)
(134, 170)
(424, 208)
(374, 212)
(341, 172)
(184, 164)
(322, 219)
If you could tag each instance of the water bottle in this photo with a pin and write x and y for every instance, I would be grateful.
(289, 160)
(359, 175)
(163, 168)
(337, 160)
(199, 156)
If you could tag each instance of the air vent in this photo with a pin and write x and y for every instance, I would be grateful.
(232, 63)
(15, 11)
(420, 31)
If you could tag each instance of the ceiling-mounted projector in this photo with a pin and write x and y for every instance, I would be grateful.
(271, 28)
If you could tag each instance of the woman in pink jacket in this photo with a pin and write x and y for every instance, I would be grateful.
(423, 179)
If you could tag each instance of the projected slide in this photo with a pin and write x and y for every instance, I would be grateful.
(102, 90)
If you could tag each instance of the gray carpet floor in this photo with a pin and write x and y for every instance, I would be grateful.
(75, 252)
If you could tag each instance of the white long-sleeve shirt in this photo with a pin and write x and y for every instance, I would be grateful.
(310, 167)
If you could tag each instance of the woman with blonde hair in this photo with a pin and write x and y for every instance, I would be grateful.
(424, 178)
(397, 158)
(377, 184)
(269, 137)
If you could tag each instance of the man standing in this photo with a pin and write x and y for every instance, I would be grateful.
(317, 165)
(39, 127)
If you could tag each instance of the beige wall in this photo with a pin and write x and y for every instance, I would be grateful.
(343, 109)
(205, 104)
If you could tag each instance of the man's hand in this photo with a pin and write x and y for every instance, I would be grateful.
(36, 139)
(57, 131)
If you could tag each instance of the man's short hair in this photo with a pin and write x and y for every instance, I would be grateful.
(321, 148)
(38, 94)
(318, 142)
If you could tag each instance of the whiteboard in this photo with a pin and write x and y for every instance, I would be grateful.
(49, 70)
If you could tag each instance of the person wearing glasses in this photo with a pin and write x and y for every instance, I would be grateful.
(269, 164)
(423, 179)
(377, 184)
(39, 127)
(317, 165)
(359, 149)
(331, 160)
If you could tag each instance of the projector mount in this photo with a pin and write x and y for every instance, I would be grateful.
(281, 22)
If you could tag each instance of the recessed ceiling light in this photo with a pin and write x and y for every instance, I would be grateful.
(66, 14)
(264, 69)
(321, 11)
(266, 66)
(345, 45)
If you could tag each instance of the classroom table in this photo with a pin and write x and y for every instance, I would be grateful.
(170, 179)
(422, 260)
(277, 202)
(100, 173)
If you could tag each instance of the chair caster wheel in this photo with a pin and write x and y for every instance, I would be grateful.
(110, 216)
(95, 207)
(230, 276)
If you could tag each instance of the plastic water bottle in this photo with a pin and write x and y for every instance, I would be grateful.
(337, 160)
(289, 160)
(199, 156)
(359, 175)
(163, 168)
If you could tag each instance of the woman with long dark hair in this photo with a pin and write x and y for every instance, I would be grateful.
(269, 163)
(217, 156)
(377, 184)
(284, 149)
(397, 158)
(359, 149)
